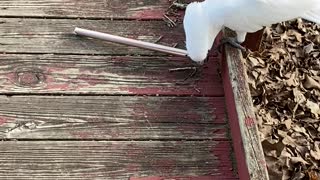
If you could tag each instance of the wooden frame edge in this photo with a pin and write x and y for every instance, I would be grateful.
(244, 130)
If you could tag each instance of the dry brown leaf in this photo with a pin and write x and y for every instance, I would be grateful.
(298, 175)
(287, 96)
(300, 129)
(256, 61)
(311, 83)
(288, 123)
(308, 48)
(292, 81)
(285, 85)
(314, 108)
(316, 152)
(296, 34)
(313, 175)
(295, 160)
(298, 96)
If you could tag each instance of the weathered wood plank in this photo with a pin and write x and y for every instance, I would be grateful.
(115, 117)
(185, 178)
(124, 9)
(114, 159)
(56, 36)
(249, 153)
(75, 74)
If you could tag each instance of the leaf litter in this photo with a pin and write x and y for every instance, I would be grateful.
(284, 80)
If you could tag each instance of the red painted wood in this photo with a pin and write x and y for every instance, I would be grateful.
(184, 178)
(234, 123)
(247, 145)
(128, 9)
(112, 159)
(113, 118)
(208, 83)
(253, 40)
(75, 74)
(46, 77)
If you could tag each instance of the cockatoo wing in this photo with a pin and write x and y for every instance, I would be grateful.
(253, 15)
(313, 15)
(307, 9)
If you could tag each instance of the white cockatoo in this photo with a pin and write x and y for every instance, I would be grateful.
(204, 20)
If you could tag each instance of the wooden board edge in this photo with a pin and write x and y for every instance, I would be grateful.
(248, 150)
(182, 178)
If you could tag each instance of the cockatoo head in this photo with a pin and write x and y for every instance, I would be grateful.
(196, 29)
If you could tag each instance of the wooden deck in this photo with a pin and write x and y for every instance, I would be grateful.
(78, 108)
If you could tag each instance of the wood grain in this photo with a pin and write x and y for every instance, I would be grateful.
(79, 74)
(248, 149)
(113, 159)
(184, 178)
(25, 35)
(113, 117)
(124, 9)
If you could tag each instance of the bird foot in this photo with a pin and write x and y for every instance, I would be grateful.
(233, 42)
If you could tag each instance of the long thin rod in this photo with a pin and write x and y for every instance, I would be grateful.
(130, 42)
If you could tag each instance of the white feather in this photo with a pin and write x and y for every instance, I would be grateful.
(203, 21)
(313, 15)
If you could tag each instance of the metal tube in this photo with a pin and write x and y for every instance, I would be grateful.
(130, 42)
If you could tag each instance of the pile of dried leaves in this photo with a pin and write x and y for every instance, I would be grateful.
(284, 79)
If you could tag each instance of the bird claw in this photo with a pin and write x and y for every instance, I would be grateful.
(233, 42)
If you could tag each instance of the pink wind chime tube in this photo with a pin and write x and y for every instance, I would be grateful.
(131, 42)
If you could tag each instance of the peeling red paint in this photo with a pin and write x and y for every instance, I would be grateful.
(184, 178)
(55, 69)
(91, 81)
(81, 135)
(249, 122)
(263, 163)
(11, 77)
(163, 166)
(148, 14)
(3, 121)
(51, 84)
(160, 91)
(234, 124)
(187, 128)
(133, 167)
(28, 78)
(57, 87)
(223, 151)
